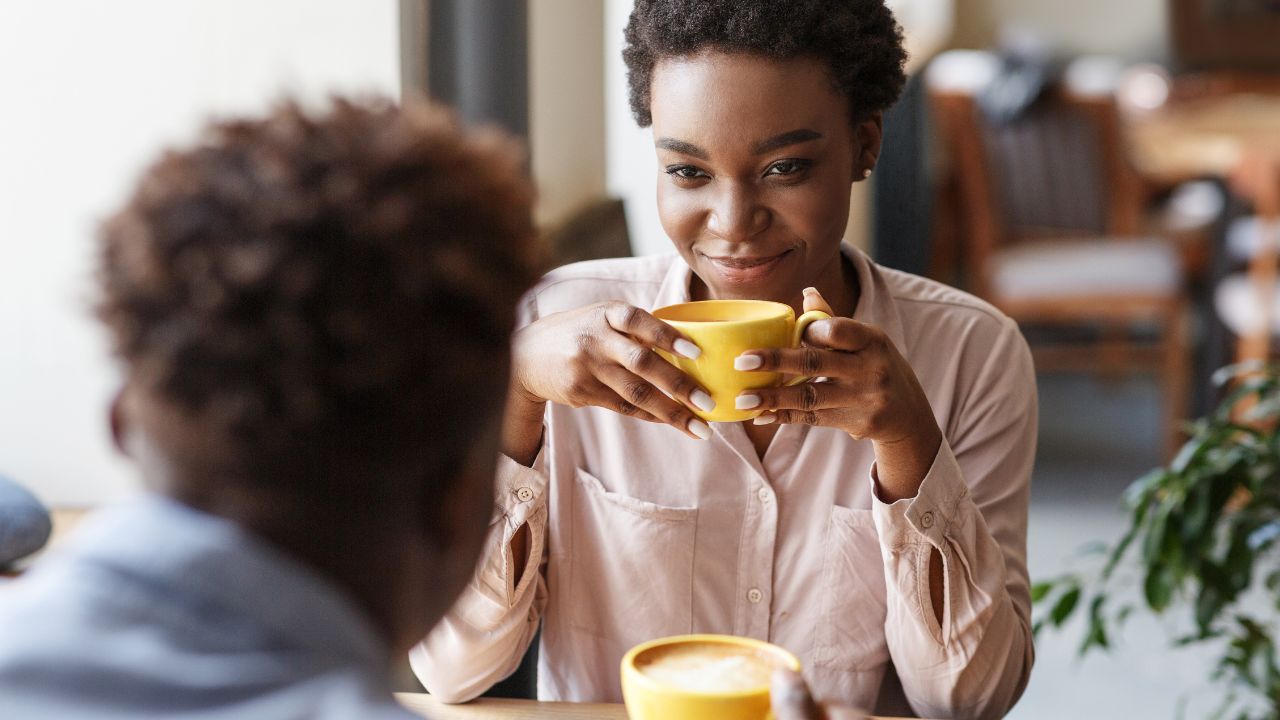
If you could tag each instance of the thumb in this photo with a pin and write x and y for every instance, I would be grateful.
(813, 300)
(788, 694)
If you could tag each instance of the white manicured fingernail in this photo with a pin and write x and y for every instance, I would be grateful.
(765, 419)
(702, 401)
(687, 349)
(699, 428)
(746, 402)
(747, 362)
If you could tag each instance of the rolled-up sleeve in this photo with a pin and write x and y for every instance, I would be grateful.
(971, 508)
(484, 636)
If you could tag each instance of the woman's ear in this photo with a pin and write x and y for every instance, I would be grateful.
(868, 135)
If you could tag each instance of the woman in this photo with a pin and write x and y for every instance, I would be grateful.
(874, 524)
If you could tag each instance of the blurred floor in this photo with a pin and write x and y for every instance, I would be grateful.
(1096, 437)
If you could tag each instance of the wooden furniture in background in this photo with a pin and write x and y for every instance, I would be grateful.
(1225, 125)
(1225, 34)
(1255, 318)
(1044, 241)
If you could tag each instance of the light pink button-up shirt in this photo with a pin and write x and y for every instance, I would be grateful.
(639, 532)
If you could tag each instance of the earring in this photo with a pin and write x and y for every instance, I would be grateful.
(866, 173)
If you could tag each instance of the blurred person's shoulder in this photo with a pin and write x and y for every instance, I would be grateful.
(634, 280)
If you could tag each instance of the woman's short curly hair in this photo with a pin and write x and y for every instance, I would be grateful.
(858, 40)
(324, 290)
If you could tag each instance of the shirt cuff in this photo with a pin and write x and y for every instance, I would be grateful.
(519, 499)
(519, 491)
(928, 516)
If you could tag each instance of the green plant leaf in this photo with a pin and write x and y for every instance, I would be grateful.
(1096, 635)
(1041, 590)
(1208, 605)
(1158, 589)
(1064, 606)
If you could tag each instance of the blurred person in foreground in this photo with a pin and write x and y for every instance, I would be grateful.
(313, 312)
(873, 524)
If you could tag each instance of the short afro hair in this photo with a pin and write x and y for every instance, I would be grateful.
(858, 40)
(325, 292)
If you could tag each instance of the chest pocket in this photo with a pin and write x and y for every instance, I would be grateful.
(851, 634)
(631, 564)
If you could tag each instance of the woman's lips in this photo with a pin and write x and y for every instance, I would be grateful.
(745, 270)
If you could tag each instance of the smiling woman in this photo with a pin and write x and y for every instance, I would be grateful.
(873, 523)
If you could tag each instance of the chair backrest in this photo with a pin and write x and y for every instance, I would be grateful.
(1057, 170)
(598, 230)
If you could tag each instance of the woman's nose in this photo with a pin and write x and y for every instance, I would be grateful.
(736, 215)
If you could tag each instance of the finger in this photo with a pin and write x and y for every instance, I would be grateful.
(817, 418)
(805, 396)
(844, 334)
(648, 330)
(649, 365)
(790, 697)
(808, 361)
(601, 395)
(813, 300)
(836, 712)
(644, 395)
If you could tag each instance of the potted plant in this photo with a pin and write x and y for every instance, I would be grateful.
(1202, 535)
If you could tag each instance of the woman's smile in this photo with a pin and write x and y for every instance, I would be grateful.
(746, 269)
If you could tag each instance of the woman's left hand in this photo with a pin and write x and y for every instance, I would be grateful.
(870, 392)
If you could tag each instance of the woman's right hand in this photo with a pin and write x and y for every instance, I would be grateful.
(601, 355)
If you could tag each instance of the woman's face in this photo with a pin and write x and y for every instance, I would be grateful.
(755, 159)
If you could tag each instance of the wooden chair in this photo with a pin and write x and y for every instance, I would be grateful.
(1249, 302)
(1045, 240)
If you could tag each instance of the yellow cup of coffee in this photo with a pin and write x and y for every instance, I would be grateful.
(697, 677)
(724, 329)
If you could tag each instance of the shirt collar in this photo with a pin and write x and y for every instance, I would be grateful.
(193, 553)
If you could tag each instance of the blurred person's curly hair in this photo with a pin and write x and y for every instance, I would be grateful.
(323, 292)
(858, 40)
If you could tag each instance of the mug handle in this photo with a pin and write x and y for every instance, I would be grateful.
(803, 324)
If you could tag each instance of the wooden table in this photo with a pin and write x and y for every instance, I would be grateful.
(495, 709)
(1207, 137)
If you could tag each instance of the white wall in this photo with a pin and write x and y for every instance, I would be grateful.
(632, 164)
(1129, 28)
(566, 105)
(91, 91)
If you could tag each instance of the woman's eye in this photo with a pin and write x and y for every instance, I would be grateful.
(685, 172)
(791, 166)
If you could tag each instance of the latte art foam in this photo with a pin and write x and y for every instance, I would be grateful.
(707, 667)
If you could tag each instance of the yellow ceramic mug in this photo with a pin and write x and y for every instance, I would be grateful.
(701, 677)
(724, 329)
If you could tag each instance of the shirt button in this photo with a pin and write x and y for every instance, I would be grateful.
(763, 494)
(524, 494)
(754, 595)
(926, 519)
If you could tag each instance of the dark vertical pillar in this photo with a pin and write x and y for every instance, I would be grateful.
(901, 200)
(478, 60)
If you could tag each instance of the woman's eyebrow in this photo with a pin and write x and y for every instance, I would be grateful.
(787, 138)
(791, 137)
(682, 147)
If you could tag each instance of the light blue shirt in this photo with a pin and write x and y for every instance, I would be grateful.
(154, 609)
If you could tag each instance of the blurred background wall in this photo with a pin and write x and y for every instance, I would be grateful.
(91, 91)
(1129, 28)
